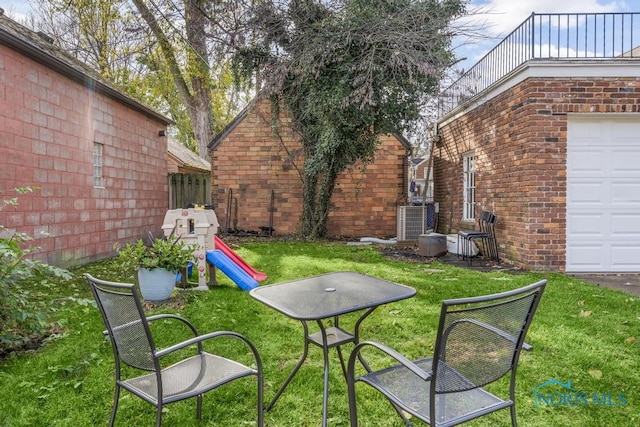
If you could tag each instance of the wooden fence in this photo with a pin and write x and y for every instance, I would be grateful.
(185, 189)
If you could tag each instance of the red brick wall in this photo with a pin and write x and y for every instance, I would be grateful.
(251, 162)
(520, 138)
(48, 125)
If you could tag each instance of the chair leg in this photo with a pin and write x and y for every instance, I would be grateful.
(114, 409)
(494, 244)
(512, 409)
(159, 415)
(469, 252)
(353, 412)
(260, 400)
(199, 407)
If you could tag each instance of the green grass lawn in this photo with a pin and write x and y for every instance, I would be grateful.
(581, 333)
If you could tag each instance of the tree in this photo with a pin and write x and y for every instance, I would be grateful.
(194, 43)
(99, 33)
(172, 56)
(347, 71)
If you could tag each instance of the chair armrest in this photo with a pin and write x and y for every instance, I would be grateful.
(176, 317)
(199, 339)
(422, 374)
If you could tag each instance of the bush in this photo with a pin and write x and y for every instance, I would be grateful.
(23, 318)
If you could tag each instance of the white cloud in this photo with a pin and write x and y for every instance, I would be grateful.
(498, 18)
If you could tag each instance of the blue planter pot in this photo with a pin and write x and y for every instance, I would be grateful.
(156, 284)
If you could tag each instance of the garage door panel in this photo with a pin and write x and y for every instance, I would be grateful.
(625, 161)
(590, 193)
(587, 257)
(588, 131)
(586, 225)
(625, 226)
(587, 162)
(624, 258)
(625, 193)
(621, 258)
(624, 131)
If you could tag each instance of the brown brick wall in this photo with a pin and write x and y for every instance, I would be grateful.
(520, 138)
(48, 125)
(252, 161)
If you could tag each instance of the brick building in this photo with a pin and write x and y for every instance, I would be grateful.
(553, 148)
(251, 161)
(96, 154)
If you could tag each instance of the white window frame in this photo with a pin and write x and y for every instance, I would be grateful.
(98, 162)
(469, 186)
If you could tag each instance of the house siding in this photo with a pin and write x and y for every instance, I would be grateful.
(253, 160)
(48, 125)
(520, 139)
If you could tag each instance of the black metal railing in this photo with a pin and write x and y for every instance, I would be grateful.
(548, 36)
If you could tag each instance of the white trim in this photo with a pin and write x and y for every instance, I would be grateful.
(469, 160)
(564, 68)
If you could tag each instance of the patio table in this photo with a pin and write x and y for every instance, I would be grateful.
(317, 298)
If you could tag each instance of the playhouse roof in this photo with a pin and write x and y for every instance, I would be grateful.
(185, 157)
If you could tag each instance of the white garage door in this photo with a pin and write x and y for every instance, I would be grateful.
(603, 193)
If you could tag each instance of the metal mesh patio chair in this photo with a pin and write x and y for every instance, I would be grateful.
(486, 234)
(133, 345)
(479, 341)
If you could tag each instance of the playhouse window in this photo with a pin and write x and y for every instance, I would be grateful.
(469, 186)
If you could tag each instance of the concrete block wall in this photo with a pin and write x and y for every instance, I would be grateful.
(520, 138)
(48, 125)
(255, 159)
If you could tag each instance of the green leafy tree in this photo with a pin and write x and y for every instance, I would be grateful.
(23, 318)
(172, 56)
(193, 41)
(100, 33)
(347, 71)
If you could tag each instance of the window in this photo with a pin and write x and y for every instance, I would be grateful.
(469, 186)
(98, 180)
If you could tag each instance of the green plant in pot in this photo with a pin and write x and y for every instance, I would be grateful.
(158, 264)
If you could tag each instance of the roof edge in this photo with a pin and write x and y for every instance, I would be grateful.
(43, 57)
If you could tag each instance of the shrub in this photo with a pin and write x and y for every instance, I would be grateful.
(23, 319)
(171, 253)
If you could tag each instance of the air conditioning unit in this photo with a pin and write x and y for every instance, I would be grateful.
(416, 220)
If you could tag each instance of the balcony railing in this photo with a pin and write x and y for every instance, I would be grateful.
(584, 36)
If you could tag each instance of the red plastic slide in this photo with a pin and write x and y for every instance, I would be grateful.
(258, 276)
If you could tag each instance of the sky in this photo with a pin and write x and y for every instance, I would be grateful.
(499, 17)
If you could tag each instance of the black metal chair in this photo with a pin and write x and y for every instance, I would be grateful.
(486, 234)
(479, 341)
(133, 345)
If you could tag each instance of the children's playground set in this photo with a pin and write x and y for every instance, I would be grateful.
(198, 228)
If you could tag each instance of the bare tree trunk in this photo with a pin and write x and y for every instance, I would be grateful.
(200, 109)
(196, 96)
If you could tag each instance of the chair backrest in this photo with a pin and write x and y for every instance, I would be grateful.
(127, 326)
(479, 339)
(487, 220)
